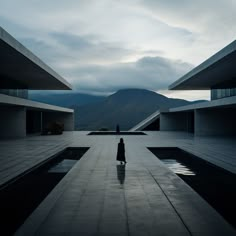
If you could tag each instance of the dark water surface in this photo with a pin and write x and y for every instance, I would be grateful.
(216, 185)
(115, 133)
(19, 199)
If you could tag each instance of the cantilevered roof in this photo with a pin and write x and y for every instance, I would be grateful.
(6, 100)
(219, 71)
(227, 102)
(21, 69)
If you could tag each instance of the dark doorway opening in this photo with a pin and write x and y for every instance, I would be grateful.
(154, 126)
(33, 121)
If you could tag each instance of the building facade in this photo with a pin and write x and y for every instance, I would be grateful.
(212, 118)
(21, 71)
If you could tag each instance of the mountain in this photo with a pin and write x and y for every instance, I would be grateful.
(66, 99)
(126, 108)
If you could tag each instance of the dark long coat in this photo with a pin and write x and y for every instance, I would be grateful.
(120, 152)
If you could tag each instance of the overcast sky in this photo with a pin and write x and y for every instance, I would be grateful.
(101, 46)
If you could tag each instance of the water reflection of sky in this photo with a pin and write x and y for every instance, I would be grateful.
(177, 167)
(63, 166)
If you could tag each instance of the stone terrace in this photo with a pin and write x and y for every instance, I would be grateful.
(90, 200)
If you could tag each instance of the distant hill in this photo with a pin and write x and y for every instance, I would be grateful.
(66, 99)
(126, 108)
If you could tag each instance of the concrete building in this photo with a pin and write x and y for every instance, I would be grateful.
(216, 117)
(21, 71)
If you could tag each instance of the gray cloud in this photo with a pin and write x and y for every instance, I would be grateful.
(89, 49)
(210, 21)
(101, 46)
(152, 73)
(147, 72)
(204, 18)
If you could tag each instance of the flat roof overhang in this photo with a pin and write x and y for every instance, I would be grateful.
(6, 100)
(228, 102)
(219, 71)
(21, 69)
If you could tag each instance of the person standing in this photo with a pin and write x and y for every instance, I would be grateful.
(121, 152)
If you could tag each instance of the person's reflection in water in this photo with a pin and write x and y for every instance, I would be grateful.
(121, 173)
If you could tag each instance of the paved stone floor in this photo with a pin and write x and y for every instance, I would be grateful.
(100, 197)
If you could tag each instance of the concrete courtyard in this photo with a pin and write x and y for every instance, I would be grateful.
(98, 198)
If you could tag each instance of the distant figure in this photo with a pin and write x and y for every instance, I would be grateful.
(117, 129)
(121, 152)
(121, 173)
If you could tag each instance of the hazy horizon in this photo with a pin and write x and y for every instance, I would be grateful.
(165, 93)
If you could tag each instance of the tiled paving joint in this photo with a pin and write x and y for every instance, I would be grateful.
(90, 200)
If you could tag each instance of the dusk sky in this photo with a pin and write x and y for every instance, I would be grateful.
(101, 46)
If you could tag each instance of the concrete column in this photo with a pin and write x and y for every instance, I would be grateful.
(12, 122)
(63, 117)
(215, 122)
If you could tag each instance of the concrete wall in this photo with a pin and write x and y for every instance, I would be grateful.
(66, 118)
(177, 121)
(173, 121)
(215, 122)
(12, 122)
